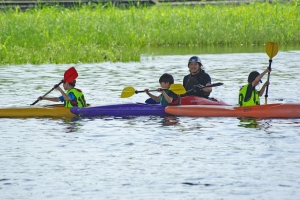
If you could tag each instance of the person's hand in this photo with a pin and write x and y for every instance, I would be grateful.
(198, 86)
(55, 86)
(267, 83)
(160, 90)
(146, 90)
(40, 98)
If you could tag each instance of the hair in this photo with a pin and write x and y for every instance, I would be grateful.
(166, 78)
(72, 83)
(252, 76)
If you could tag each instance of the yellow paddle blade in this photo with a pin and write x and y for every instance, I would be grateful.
(127, 92)
(271, 49)
(177, 89)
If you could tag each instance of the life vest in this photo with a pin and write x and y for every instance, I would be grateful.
(191, 81)
(79, 100)
(254, 99)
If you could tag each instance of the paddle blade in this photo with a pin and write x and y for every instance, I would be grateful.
(70, 75)
(177, 89)
(271, 49)
(127, 92)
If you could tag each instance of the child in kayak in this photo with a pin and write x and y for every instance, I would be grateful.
(167, 96)
(72, 98)
(248, 95)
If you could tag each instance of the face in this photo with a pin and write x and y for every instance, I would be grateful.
(65, 85)
(165, 85)
(194, 67)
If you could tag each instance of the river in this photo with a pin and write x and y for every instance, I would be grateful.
(150, 157)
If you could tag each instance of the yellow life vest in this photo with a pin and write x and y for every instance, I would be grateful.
(254, 99)
(79, 100)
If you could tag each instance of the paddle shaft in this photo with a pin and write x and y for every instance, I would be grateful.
(267, 89)
(148, 90)
(47, 93)
(202, 86)
(212, 85)
(271, 50)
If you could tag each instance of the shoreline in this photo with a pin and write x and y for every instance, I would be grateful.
(4, 4)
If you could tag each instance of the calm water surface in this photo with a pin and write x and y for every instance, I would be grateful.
(150, 157)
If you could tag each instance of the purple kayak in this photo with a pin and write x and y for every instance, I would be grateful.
(128, 109)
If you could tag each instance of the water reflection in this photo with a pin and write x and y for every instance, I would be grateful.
(169, 121)
(248, 122)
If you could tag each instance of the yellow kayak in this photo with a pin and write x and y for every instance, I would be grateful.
(51, 111)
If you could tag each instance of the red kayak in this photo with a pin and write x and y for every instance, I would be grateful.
(277, 110)
(195, 100)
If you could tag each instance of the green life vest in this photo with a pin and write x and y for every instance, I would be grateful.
(79, 100)
(254, 99)
(163, 100)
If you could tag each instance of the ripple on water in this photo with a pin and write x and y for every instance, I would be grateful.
(150, 157)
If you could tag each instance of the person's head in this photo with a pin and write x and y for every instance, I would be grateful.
(69, 85)
(194, 64)
(252, 76)
(166, 80)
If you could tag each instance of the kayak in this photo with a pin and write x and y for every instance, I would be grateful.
(126, 109)
(139, 109)
(195, 100)
(51, 111)
(276, 110)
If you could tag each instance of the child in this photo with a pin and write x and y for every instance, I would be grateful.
(248, 95)
(167, 96)
(73, 98)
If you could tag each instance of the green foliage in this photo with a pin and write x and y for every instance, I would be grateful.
(97, 33)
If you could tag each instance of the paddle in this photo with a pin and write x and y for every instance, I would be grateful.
(69, 76)
(271, 50)
(129, 91)
(202, 86)
(151, 101)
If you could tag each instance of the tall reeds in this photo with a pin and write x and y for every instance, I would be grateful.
(106, 33)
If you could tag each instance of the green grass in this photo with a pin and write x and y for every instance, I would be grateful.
(100, 33)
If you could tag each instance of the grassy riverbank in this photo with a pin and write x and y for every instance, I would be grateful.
(97, 34)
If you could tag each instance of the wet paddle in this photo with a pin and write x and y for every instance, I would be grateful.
(129, 91)
(69, 76)
(151, 101)
(271, 50)
(202, 86)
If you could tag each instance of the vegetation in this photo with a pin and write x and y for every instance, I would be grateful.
(100, 33)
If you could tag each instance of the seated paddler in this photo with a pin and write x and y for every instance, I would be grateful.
(73, 97)
(248, 94)
(196, 79)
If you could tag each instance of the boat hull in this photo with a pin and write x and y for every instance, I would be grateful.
(129, 109)
(195, 100)
(278, 110)
(51, 111)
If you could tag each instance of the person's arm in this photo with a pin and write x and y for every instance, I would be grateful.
(262, 90)
(259, 77)
(55, 99)
(155, 98)
(167, 97)
(208, 89)
(66, 97)
(208, 82)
